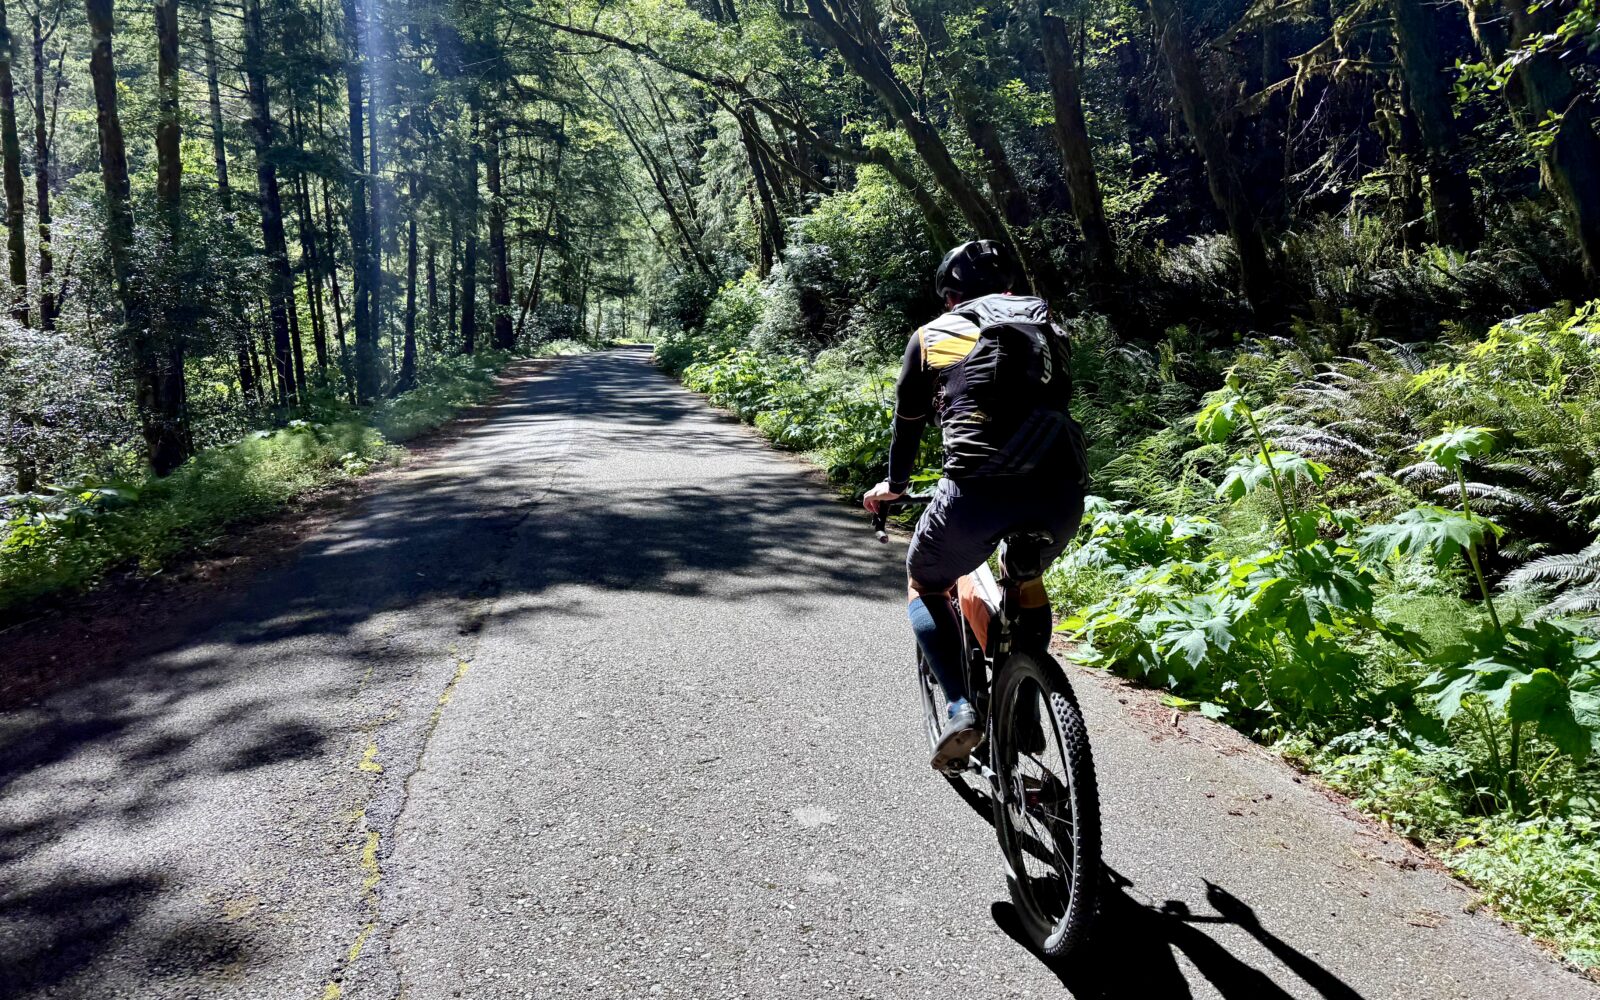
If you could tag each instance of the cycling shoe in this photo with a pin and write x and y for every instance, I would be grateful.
(959, 737)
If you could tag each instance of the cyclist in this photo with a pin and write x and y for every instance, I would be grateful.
(995, 369)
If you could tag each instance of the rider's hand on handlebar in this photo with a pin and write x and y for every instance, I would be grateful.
(878, 495)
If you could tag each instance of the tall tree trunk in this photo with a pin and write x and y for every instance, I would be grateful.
(41, 179)
(300, 194)
(312, 265)
(280, 280)
(971, 104)
(451, 278)
(219, 161)
(361, 260)
(1077, 152)
(11, 155)
(1399, 131)
(1571, 159)
(469, 266)
(219, 146)
(263, 391)
(376, 47)
(161, 415)
(530, 299)
(689, 239)
(1417, 31)
(169, 188)
(1223, 174)
(771, 219)
(408, 357)
(291, 304)
(431, 270)
(332, 226)
(275, 388)
(169, 158)
(247, 378)
(504, 339)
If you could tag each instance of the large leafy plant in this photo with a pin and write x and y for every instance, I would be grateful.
(1506, 683)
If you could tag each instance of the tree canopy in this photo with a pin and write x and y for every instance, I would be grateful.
(242, 211)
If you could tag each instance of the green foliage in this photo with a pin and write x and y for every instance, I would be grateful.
(1350, 643)
(820, 406)
(1426, 530)
(456, 381)
(1251, 471)
(69, 537)
(1544, 876)
(1453, 449)
(73, 536)
(1124, 541)
(1215, 422)
(1542, 676)
(1576, 576)
(1410, 788)
(1269, 638)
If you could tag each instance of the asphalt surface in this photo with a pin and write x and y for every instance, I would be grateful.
(610, 700)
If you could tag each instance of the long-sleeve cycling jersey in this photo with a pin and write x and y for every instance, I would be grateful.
(997, 420)
(916, 390)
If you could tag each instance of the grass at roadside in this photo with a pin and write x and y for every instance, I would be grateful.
(70, 536)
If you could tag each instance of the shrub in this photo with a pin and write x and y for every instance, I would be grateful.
(69, 537)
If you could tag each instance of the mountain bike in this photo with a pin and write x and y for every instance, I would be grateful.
(1034, 758)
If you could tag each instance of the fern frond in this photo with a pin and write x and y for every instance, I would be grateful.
(1320, 443)
(1421, 471)
(1578, 601)
(1582, 567)
(1500, 498)
(1531, 474)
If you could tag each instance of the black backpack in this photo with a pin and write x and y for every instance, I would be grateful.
(1005, 408)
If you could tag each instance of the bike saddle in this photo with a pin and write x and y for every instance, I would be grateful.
(1035, 539)
(1021, 553)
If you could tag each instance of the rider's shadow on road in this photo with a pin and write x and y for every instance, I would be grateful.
(1135, 948)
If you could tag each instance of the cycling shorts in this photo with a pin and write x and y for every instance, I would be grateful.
(966, 520)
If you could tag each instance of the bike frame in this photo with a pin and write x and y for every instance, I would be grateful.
(984, 612)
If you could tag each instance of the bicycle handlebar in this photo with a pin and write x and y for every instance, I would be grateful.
(880, 517)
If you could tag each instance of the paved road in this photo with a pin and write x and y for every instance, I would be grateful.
(611, 701)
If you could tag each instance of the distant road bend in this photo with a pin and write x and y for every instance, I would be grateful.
(610, 700)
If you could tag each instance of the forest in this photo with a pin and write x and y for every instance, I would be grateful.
(1331, 267)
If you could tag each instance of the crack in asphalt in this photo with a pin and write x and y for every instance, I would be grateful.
(368, 972)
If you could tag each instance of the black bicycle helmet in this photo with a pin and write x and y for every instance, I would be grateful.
(981, 267)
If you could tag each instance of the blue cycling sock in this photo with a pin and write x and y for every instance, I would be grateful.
(938, 633)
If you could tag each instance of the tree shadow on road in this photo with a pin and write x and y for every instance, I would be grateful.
(57, 928)
(282, 685)
(1135, 947)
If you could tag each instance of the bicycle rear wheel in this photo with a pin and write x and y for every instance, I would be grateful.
(1047, 812)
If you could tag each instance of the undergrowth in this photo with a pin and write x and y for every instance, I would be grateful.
(69, 536)
(1383, 562)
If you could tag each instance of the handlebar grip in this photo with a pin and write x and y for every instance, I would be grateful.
(880, 518)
